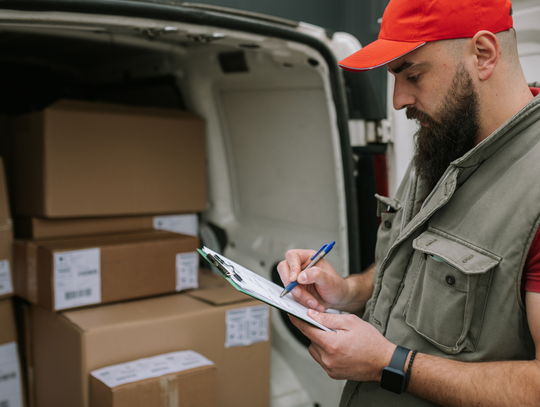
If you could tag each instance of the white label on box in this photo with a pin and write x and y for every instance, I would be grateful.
(10, 376)
(147, 368)
(185, 224)
(246, 326)
(6, 285)
(187, 266)
(77, 278)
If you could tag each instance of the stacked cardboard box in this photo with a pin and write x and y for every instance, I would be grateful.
(223, 325)
(89, 179)
(11, 383)
(78, 159)
(91, 184)
(66, 273)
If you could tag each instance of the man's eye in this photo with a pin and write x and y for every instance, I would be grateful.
(413, 78)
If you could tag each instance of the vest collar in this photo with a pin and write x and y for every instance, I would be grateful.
(517, 123)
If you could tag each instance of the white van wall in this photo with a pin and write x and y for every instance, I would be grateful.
(275, 180)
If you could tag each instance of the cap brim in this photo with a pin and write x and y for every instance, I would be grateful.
(377, 54)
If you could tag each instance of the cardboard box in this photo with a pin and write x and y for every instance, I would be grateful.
(67, 273)
(175, 379)
(6, 239)
(11, 383)
(67, 346)
(43, 228)
(80, 159)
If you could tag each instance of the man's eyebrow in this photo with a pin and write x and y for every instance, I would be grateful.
(405, 65)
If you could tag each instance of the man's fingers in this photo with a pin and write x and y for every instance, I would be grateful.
(313, 275)
(295, 259)
(332, 321)
(284, 272)
(307, 329)
(304, 297)
(314, 334)
(315, 353)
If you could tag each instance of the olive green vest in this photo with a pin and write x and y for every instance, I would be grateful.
(449, 266)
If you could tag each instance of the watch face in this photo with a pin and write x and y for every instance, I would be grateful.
(393, 380)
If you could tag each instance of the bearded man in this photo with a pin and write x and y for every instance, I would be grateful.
(451, 312)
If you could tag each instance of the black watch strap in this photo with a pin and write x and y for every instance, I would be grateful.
(399, 358)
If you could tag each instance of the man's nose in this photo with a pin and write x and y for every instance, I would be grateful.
(402, 98)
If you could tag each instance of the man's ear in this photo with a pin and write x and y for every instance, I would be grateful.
(485, 47)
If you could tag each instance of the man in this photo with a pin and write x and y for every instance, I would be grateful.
(458, 250)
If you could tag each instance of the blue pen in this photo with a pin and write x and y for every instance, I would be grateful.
(323, 251)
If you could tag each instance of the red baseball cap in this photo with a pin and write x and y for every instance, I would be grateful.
(408, 24)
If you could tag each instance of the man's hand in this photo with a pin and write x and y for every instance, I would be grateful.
(357, 351)
(321, 287)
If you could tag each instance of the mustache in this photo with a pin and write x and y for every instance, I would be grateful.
(414, 113)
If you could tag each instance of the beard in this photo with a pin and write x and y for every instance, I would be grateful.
(451, 131)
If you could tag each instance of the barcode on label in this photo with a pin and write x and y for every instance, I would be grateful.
(4, 403)
(76, 294)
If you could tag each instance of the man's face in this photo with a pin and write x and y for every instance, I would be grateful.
(445, 104)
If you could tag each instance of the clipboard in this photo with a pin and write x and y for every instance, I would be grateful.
(256, 286)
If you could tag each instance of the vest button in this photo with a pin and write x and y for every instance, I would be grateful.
(387, 224)
(450, 280)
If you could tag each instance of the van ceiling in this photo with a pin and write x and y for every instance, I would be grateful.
(38, 69)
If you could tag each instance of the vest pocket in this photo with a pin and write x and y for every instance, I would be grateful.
(447, 301)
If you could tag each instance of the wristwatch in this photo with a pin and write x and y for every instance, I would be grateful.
(393, 377)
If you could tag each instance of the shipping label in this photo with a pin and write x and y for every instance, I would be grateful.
(185, 224)
(187, 266)
(10, 376)
(148, 368)
(246, 326)
(77, 278)
(6, 285)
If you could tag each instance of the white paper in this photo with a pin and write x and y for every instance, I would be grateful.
(148, 368)
(10, 376)
(185, 224)
(77, 278)
(266, 290)
(187, 266)
(6, 285)
(246, 326)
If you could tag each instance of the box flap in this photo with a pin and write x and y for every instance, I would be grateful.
(220, 295)
(134, 312)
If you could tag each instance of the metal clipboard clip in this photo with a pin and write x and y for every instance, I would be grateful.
(220, 265)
